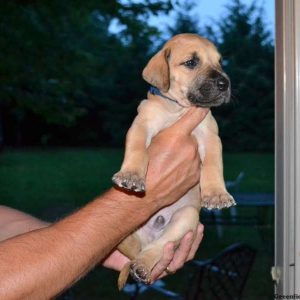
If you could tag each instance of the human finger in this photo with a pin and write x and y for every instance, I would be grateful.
(190, 120)
(181, 253)
(196, 242)
(162, 265)
(115, 261)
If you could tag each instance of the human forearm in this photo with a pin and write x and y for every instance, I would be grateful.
(41, 263)
(14, 222)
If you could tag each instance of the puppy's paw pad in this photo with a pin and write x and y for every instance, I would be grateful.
(130, 181)
(140, 273)
(217, 200)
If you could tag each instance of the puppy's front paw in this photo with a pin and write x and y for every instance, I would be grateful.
(130, 181)
(217, 199)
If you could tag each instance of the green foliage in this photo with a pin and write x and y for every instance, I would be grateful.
(62, 64)
(184, 21)
(247, 123)
(67, 79)
(248, 58)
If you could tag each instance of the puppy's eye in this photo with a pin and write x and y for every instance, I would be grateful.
(191, 64)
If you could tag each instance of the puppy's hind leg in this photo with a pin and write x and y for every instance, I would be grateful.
(184, 220)
(130, 247)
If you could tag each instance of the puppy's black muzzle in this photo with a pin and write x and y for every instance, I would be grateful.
(222, 84)
(210, 91)
(209, 86)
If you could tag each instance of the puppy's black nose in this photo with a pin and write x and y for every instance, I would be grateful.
(222, 84)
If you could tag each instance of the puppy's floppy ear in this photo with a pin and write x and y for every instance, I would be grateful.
(157, 70)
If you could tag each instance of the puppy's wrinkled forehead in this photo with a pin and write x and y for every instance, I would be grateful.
(184, 46)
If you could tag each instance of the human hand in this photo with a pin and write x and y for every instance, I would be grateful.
(173, 259)
(174, 162)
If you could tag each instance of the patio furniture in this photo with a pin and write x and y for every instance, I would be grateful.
(232, 186)
(223, 277)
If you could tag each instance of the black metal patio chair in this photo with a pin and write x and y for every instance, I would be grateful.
(224, 276)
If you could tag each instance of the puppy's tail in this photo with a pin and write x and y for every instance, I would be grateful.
(123, 276)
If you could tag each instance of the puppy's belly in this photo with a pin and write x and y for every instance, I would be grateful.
(154, 228)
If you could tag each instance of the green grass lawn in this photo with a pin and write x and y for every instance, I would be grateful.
(34, 180)
(50, 182)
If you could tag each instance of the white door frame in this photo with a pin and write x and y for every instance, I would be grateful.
(287, 147)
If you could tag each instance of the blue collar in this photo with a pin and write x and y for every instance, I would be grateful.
(155, 91)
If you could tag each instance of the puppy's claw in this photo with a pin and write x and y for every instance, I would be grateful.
(218, 200)
(140, 273)
(130, 181)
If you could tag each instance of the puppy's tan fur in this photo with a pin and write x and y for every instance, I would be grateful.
(167, 72)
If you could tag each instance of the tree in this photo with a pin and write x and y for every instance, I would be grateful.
(248, 58)
(247, 123)
(65, 70)
(184, 21)
(67, 79)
